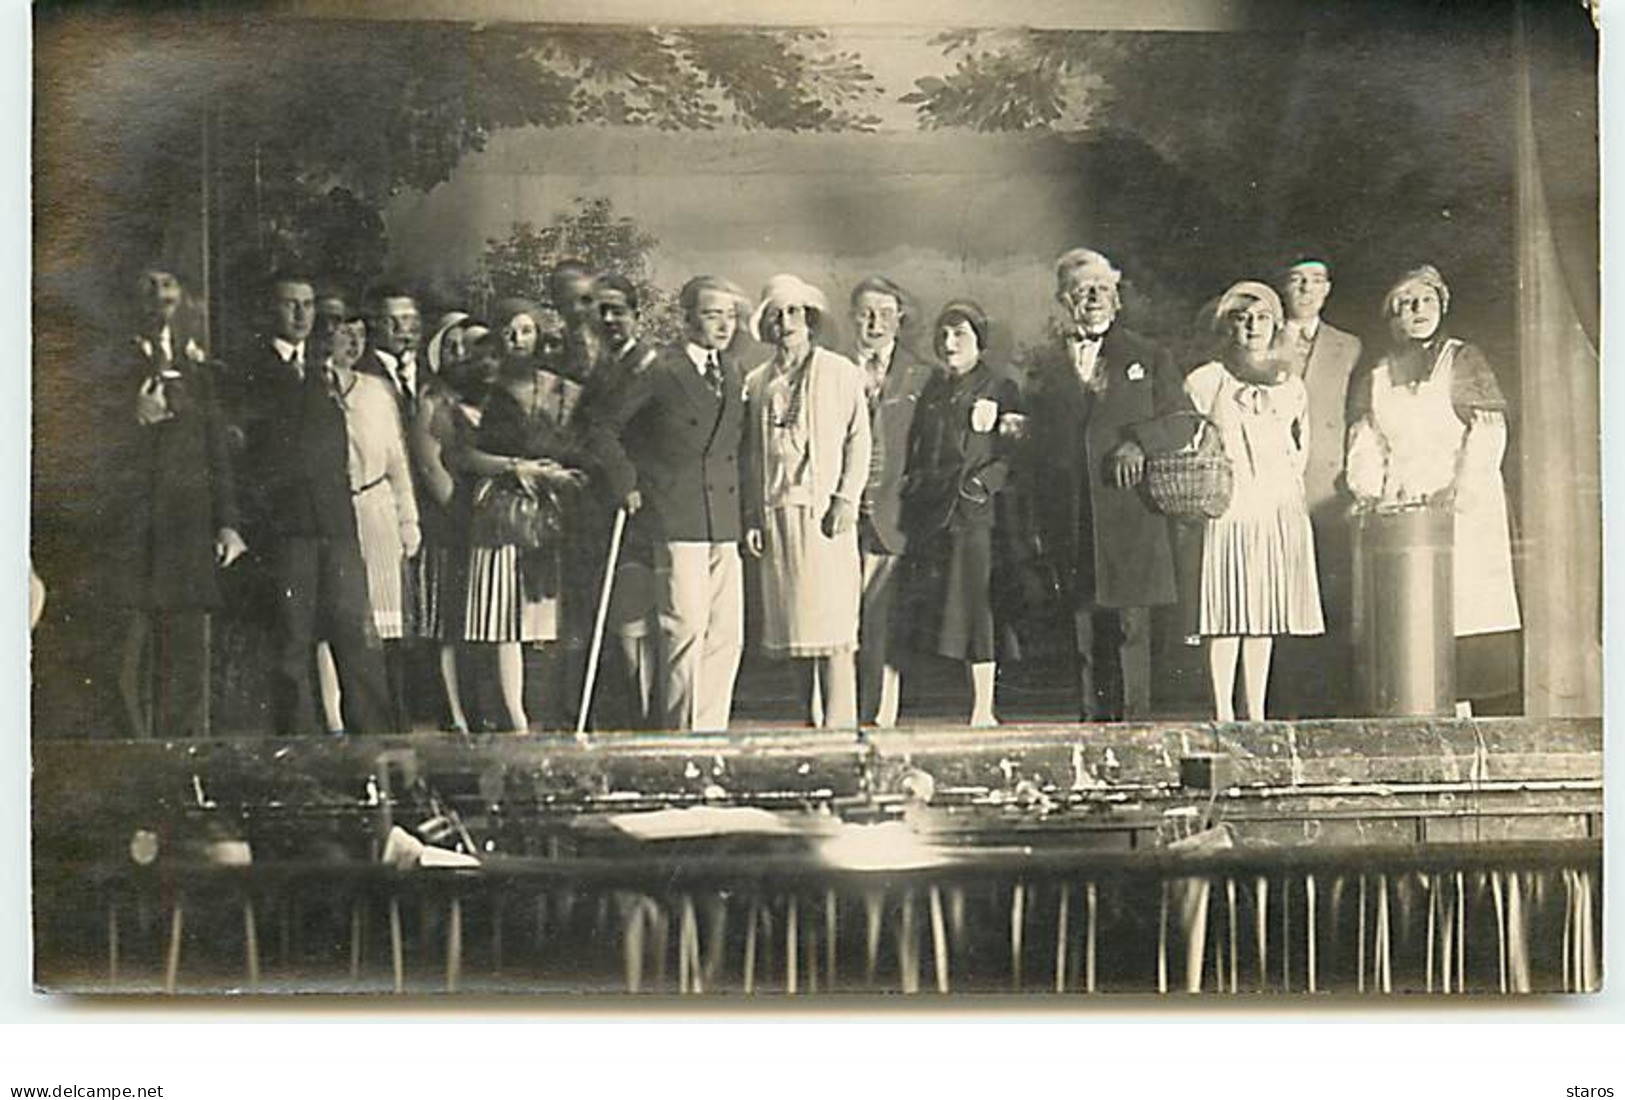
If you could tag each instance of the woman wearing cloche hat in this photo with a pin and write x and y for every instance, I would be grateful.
(806, 460)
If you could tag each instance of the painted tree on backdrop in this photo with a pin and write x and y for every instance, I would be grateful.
(1213, 153)
(386, 108)
(517, 265)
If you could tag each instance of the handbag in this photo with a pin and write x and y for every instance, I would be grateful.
(507, 512)
(1194, 482)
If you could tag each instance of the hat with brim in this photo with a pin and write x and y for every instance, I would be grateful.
(787, 290)
(448, 321)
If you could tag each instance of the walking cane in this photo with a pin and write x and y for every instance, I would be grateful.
(598, 626)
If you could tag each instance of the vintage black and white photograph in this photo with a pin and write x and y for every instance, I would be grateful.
(819, 507)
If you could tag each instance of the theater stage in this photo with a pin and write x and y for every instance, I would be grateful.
(1331, 857)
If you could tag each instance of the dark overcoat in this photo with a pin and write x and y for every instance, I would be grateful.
(296, 464)
(1107, 545)
(169, 486)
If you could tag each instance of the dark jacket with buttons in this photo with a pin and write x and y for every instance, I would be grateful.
(891, 419)
(295, 470)
(669, 437)
(1110, 547)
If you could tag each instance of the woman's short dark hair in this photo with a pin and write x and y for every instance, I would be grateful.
(962, 310)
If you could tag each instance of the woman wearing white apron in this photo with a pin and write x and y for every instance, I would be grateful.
(1430, 425)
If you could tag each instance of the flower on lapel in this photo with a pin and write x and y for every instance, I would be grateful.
(193, 352)
(1135, 372)
(984, 414)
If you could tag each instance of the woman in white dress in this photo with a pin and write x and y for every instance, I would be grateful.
(806, 460)
(386, 512)
(1430, 429)
(1258, 559)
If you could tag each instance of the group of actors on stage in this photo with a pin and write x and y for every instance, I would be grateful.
(478, 483)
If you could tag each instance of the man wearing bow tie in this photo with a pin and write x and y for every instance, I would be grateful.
(297, 487)
(1315, 680)
(1097, 398)
(171, 509)
(893, 378)
(669, 450)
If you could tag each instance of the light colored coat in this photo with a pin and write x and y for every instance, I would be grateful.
(1332, 359)
(838, 430)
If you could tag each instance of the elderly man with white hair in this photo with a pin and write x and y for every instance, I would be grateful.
(1096, 408)
(806, 460)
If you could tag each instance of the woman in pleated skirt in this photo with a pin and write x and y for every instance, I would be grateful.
(1258, 576)
(525, 439)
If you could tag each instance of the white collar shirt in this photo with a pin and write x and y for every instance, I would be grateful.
(292, 354)
(701, 358)
(1085, 351)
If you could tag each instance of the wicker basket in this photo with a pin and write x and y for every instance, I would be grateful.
(1194, 482)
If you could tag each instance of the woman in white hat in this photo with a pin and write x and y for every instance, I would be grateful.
(806, 459)
(1258, 576)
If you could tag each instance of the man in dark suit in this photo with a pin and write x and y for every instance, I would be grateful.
(1095, 411)
(893, 379)
(394, 328)
(634, 662)
(670, 452)
(1324, 357)
(172, 512)
(297, 487)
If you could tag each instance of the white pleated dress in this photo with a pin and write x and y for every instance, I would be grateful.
(381, 488)
(1258, 559)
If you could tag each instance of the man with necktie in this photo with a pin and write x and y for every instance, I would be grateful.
(669, 450)
(171, 508)
(1097, 397)
(893, 379)
(393, 330)
(297, 493)
(1315, 678)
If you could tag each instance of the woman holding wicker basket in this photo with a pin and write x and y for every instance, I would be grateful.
(1258, 576)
